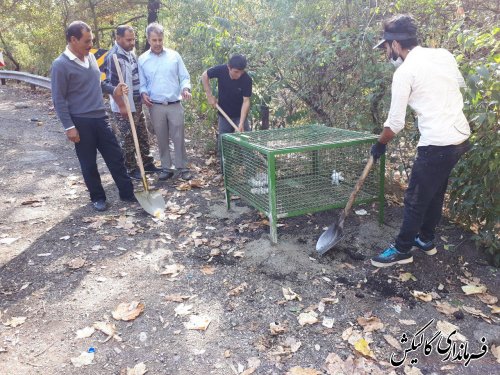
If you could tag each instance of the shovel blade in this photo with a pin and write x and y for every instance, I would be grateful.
(152, 201)
(329, 238)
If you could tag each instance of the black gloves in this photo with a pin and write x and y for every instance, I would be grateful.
(378, 149)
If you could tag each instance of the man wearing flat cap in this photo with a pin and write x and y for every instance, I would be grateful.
(428, 80)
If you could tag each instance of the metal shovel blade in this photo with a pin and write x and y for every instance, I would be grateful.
(152, 201)
(329, 238)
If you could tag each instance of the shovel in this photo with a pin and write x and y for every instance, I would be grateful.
(236, 129)
(335, 232)
(152, 201)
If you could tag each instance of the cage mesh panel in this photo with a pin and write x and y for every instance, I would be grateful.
(303, 177)
(246, 172)
(302, 136)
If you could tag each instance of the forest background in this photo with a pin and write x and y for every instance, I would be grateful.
(311, 61)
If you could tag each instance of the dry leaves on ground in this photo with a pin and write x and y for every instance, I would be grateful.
(85, 332)
(290, 295)
(76, 263)
(183, 309)
(173, 270)
(495, 350)
(197, 322)
(207, 270)
(238, 290)
(128, 311)
(335, 365)
(303, 371)
(446, 308)
(309, 317)
(474, 289)
(108, 329)
(363, 347)
(84, 359)
(447, 328)
(138, 369)
(426, 297)
(15, 321)
(277, 328)
(393, 342)
(370, 324)
(487, 298)
(477, 313)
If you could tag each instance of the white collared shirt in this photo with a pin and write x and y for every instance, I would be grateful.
(429, 81)
(85, 63)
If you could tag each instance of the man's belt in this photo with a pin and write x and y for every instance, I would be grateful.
(165, 103)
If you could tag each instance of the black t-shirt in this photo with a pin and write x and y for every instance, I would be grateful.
(231, 91)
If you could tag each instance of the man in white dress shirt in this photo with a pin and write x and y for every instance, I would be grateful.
(428, 80)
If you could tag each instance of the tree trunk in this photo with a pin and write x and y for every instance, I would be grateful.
(96, 24)
(9, 55)
(264, 116)
(153, 9)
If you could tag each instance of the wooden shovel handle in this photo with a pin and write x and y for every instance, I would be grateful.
(227, 118)
(132, 126)
(360, 182)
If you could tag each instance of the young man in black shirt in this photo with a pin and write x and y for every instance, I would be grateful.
(235, 89)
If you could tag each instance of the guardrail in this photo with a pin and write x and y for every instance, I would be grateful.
(26, 77)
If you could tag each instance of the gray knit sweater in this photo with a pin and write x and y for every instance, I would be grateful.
(76, 90)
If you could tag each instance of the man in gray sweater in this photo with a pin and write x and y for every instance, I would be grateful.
(77, 97)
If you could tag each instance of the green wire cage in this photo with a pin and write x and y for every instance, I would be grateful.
(293, 171)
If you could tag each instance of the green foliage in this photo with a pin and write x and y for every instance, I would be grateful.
(475, 185)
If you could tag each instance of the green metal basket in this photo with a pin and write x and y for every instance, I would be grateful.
(293, 171)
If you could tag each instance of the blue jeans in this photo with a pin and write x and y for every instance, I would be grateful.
(96, 134)
(423, 202)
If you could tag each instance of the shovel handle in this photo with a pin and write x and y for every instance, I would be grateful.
(132, 126)
(360, 182)
(228, 118)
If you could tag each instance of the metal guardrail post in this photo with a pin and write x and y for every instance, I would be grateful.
(32, 79)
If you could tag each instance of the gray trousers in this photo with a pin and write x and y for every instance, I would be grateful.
(168, 123)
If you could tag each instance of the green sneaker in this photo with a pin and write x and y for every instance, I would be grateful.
(391, 256)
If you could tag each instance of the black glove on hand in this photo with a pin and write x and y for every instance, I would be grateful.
(378, 149)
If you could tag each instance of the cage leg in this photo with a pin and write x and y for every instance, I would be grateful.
(273, 231)
(228, 199)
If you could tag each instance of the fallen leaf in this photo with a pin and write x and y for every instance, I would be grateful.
(15, 321)
(196, 183)
(446, 308)
(183, 309)
(248, 371)
(207, 269)
(85, 332)
(290, 295)
(76, 263)
(302, 371)
(138, 369)
(407, 276)
(176, 297)
(183, 186)
(293, 344)
(309, 317)
(361, 212)
(495, 309)
(476, 313)
(237, 291)
(407, 322)
(412, 370)
(64, 238)
(495, 350)
(108, 329)
(276, 328)
(173, 270)
(421, 296)
(447, 328)
(83, 359)
(8, 240)
(393, 342)
(370, 324)
(128, 311)
(362, 346)
(239, 254)
(328, 322)
(487, 298)
(474, 289)
(334, 365)
(197, 322)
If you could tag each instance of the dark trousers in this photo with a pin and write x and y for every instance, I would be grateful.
(423, 202)
(96, 134)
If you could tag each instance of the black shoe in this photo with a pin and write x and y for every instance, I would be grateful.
(151, 168)
(135, 175)
(427, 247)
(131, 199)
(165, 174)
(391, 256)
(185, 175)
(100, 205)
